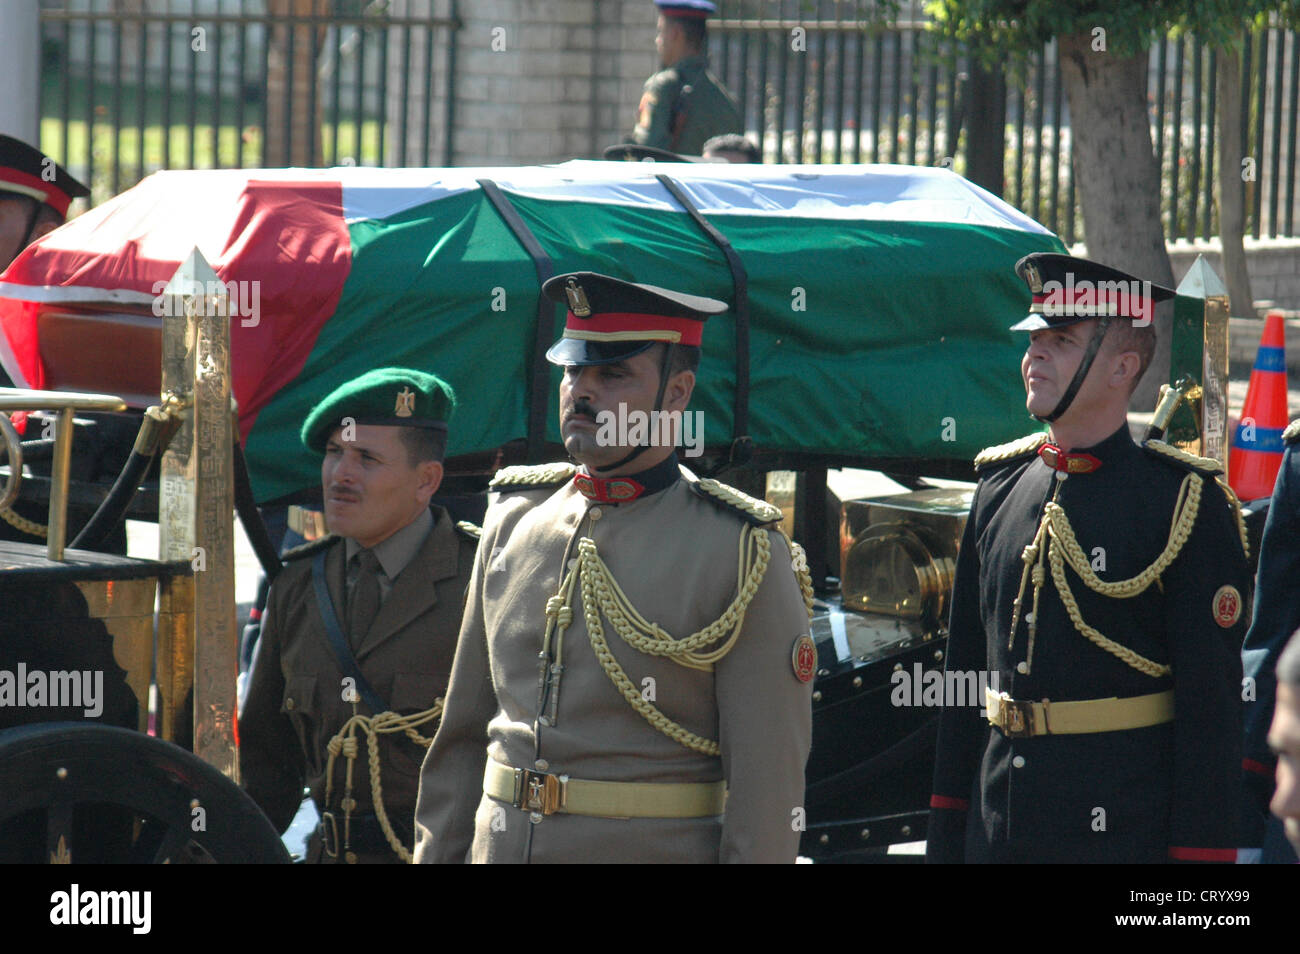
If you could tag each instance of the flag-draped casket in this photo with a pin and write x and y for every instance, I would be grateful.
(878, 297)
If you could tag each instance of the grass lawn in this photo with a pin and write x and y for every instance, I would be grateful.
(168, 142)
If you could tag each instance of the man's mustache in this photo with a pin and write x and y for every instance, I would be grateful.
(581, 406)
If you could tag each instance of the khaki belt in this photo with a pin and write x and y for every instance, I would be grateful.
(1022, 720)
(548, 794)
(308, 524)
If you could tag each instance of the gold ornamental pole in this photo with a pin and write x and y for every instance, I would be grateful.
(196, 502)
(1202, 282)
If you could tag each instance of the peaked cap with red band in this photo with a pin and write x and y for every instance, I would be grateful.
(1067, 290)
(27, 171)
(610, 319)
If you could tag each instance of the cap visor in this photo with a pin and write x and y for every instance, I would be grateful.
(1037, 322)
(579, 353)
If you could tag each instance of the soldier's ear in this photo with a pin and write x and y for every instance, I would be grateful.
(1125, 370)
(431, 472)
(677, 395)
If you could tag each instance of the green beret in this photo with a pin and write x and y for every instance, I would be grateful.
(396, 397)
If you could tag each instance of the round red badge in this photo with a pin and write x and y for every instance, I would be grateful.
(804, 658)
(1227, 606)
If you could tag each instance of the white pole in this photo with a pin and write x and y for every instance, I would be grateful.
(20, 51)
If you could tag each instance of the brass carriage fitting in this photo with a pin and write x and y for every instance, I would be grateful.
(160, 424)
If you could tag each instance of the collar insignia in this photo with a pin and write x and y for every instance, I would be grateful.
(607, 489)
(1058, 459)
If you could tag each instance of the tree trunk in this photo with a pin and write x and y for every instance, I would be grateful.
(293, 129)
(986, 134)
(1232, 205)
(1117, 177)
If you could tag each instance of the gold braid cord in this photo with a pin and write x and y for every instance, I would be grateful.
(1057, 536)
(1207, 465)
(22, 523)
(1017, 448)
(345, 744)
(602, 594)
(534, 475)
(799, 563)
(1235, 501)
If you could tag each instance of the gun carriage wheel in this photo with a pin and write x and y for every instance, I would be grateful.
(89, 793)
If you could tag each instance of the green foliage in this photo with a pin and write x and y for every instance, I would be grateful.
(1008, 30)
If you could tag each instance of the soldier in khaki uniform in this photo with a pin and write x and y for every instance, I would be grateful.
(361, 626)
(633, 677)
(684, 104)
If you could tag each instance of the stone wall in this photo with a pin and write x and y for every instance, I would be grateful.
(1273, 264)
(535, 81)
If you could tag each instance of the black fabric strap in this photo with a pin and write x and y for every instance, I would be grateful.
(539, 377)
(740, 283)
(347, 662)
(1084, 367)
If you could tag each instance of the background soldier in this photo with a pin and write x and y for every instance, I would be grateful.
(35, 193)
(360, 623)
(1102, 583)
(684, 104)
(635, 639)
(1277, 615)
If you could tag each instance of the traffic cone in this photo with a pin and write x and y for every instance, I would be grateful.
(1255, 452)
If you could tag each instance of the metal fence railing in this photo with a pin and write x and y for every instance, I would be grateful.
(127, 90)
(130, 86)
(822, 82)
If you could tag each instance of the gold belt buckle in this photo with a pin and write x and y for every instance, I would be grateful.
(1014, 718)
(538, 792)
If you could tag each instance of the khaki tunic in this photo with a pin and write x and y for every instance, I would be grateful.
(675, 555)
(295, 699)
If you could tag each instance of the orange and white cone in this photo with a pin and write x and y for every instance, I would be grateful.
(1255, 452)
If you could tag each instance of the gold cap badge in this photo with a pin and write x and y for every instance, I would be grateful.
(578, 303)
(1033, 277)
(405, 403)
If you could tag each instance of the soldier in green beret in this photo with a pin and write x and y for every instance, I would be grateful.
(684, 104)
(361, 625)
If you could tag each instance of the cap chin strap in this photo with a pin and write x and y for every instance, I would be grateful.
(1089, 354)
(659, 400)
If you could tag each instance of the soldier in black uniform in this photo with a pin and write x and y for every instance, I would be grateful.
(1277, 616)
(1100, 585)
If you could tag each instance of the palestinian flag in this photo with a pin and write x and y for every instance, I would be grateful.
(879, 296)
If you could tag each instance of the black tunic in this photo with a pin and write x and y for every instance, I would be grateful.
(1166, 792)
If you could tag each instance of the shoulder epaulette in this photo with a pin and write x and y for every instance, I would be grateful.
(1292, 433)
(1206, 465)
(1000, 453)
(752, 510)
(309, 548)
(532, 477)
(471, 530)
